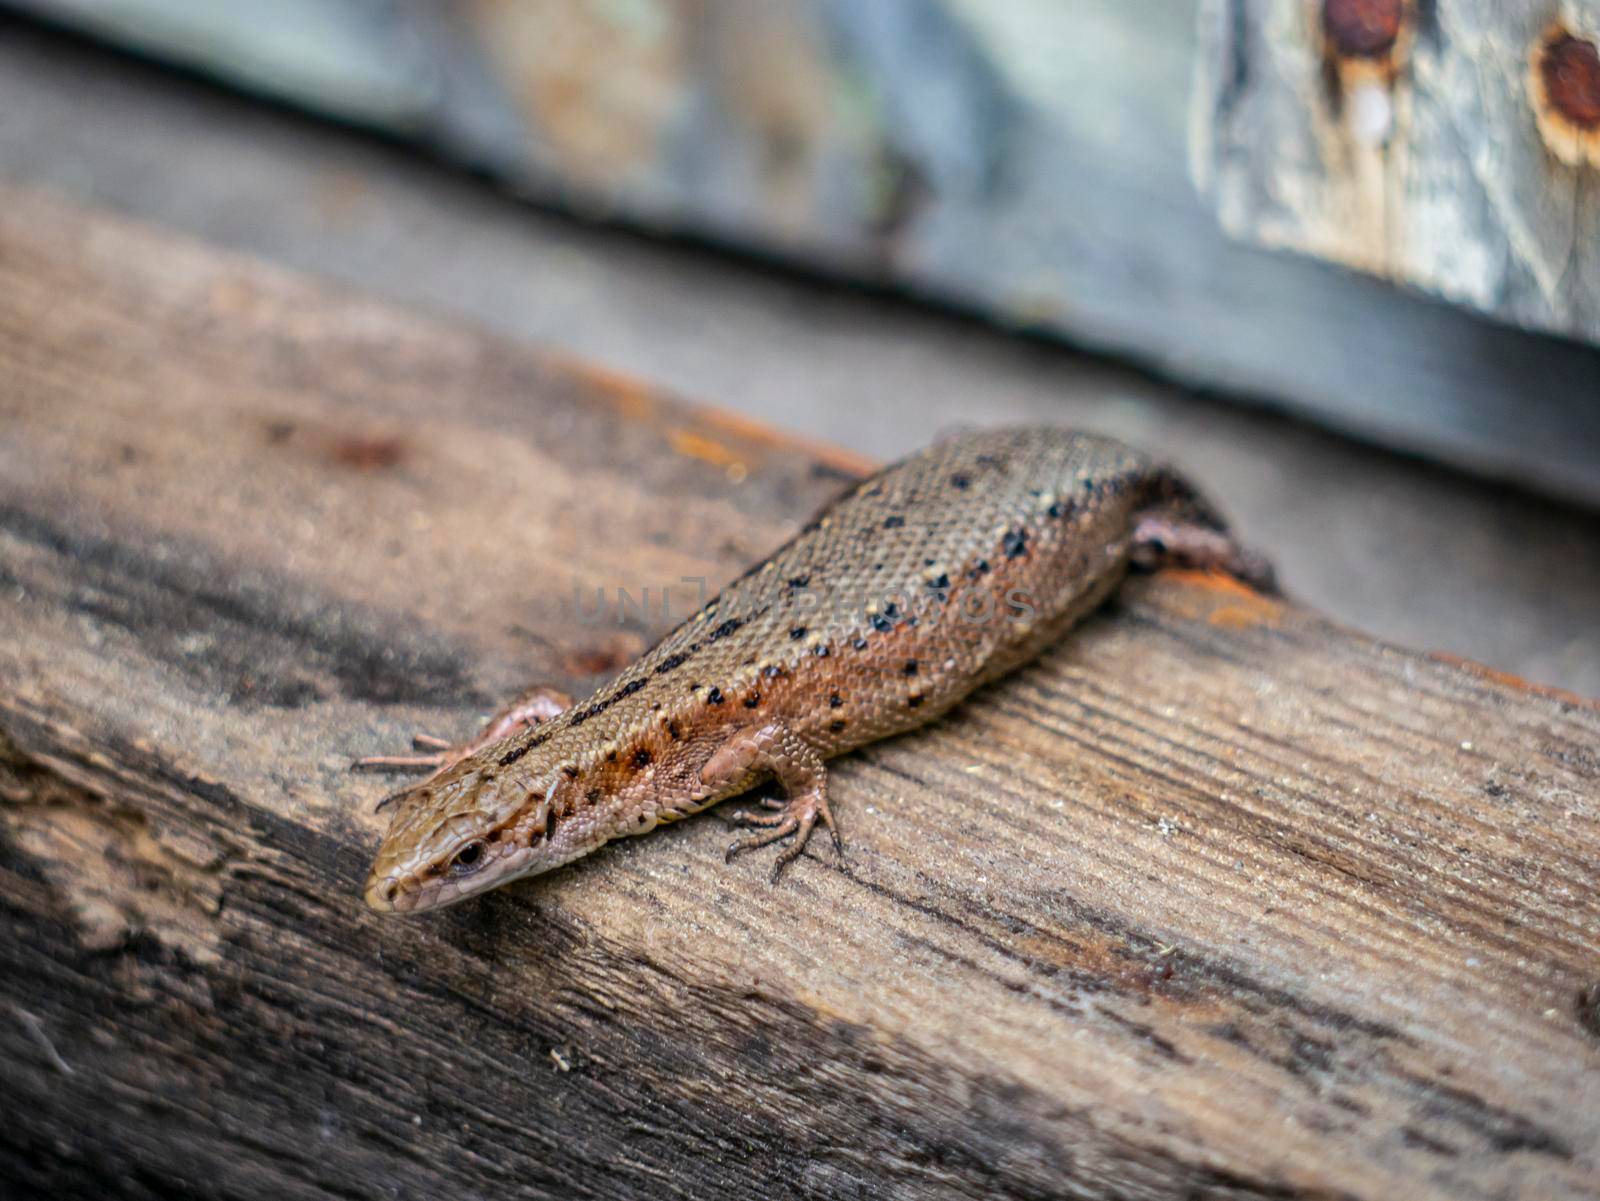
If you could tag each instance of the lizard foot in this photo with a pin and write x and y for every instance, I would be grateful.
(754, 750)
(798, 817)
(533, 707)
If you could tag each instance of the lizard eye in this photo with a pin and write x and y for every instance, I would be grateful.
(467, 858)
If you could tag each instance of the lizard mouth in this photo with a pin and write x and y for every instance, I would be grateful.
(408, 892)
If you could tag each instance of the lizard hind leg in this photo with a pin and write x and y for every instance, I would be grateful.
(1163, 538)
(755, 750)
(531, 708)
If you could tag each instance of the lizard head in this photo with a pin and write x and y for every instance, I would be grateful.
(471, 828)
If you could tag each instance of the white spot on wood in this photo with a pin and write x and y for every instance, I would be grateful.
(1371, 114)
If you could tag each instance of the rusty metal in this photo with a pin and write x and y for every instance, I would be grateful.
(1570, 69)
(1363, 28)
(1564, 90)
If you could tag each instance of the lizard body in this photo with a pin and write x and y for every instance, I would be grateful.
(920, 584)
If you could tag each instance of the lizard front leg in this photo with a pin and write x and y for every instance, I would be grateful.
(755, 750)
(536, 705)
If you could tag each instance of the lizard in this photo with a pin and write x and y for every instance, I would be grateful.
(920, 584)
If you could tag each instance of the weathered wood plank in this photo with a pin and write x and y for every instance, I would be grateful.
(1216, 900)
(1415, 140)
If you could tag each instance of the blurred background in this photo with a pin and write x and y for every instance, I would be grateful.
(1338, 258)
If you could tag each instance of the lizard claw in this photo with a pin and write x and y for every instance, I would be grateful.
(798, 817)
(399, 762)
(441, 758)
(533, 707)
(447, 755)
(393, 797)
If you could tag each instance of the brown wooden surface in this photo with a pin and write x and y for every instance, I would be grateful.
(1215, 900)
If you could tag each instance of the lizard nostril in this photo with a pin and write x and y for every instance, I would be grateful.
(382, 895)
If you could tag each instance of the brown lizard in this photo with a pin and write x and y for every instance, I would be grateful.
(920, 584)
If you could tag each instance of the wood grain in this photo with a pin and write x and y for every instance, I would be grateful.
(1216, 900)
(1471, 192)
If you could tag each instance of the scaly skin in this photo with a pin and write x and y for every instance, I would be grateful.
(920, 584)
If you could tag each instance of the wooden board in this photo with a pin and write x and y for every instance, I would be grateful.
(1424, 147)
(1216, 900)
